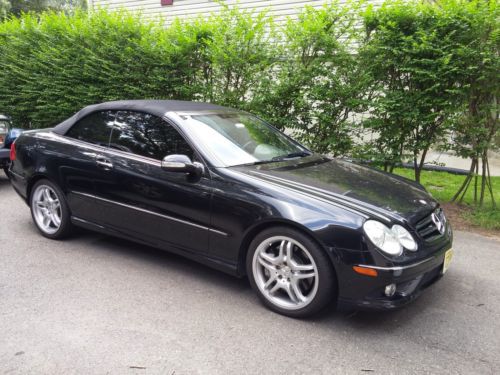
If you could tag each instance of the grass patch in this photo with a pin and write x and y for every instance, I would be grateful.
(443, 186)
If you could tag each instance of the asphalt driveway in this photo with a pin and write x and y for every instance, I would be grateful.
(98, 305)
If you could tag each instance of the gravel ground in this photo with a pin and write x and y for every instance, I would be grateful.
(97, 305)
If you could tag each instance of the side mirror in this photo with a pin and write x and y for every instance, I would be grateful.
(182, 164)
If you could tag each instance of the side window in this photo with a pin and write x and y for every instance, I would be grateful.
(94, 128)
(147, 135)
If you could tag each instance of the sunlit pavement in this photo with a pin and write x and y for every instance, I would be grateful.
(98, 305)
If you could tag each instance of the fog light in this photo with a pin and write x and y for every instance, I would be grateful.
(390, 290)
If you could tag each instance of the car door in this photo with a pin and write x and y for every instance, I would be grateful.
(79, 169)
(142, 200)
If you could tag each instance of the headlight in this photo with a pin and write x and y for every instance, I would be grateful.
(389, 240)
(382, 237)
(404, 237)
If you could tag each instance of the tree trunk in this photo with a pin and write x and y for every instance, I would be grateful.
(484, 160)
(465, 190)
(466, 181)
(488, 182)
(418, 167)
(415, 169)
(476, 174)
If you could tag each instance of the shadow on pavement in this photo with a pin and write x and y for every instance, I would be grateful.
(4, 181)
(162, 259)
(330, 318)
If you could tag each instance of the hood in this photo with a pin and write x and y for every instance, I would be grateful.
(357, 187)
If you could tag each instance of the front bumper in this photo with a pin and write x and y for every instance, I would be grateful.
(368, 293)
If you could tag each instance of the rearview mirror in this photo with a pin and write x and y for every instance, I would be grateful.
(182, 164)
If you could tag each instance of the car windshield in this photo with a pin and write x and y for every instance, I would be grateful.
(237, 138)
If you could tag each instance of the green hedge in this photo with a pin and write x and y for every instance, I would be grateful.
(301, 75)
(405, 72)
(54, 64)
(425, 60)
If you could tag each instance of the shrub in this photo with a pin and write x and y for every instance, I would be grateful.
(318, 85)
(477, 127)
(415, 54)
(53, 64)
(417, 70)
(229, 54)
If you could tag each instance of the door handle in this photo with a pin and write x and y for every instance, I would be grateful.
(103, 162)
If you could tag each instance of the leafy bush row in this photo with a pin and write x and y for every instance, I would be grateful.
(381, 83)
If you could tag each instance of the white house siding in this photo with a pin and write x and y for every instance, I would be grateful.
(188, 9)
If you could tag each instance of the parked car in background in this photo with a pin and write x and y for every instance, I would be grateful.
(225, 188)
(4, 128)
(7, 136)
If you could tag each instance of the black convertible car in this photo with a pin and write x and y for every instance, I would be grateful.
(224, 188)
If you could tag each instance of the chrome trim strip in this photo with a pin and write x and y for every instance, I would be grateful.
(86, 222)
(397, 268)
(128, 155)
(17, 174)
(119, 153)
(152, 213)
(135, 157)
(218, 232)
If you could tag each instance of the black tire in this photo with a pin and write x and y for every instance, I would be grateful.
(66, 227)
(326, 291)
(6, 171)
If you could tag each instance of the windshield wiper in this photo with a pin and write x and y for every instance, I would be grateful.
(260, 162)
(292, 155)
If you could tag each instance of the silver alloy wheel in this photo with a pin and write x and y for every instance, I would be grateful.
(285, 272)
(46, 209)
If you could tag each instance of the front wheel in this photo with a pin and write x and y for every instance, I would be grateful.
(291, 274)
(49, 210)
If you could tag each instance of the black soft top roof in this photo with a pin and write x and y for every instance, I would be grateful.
(154, 107)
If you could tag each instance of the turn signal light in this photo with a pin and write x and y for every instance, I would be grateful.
(365, 271)
(13, 151)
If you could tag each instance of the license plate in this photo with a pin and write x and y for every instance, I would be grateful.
(447, 260)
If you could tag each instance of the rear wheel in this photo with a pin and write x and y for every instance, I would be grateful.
(291, 274)
(6, 171)
(49, 210)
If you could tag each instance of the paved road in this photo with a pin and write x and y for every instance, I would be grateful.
(97, 305)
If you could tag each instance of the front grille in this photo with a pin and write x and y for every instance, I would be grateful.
(428, 229)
